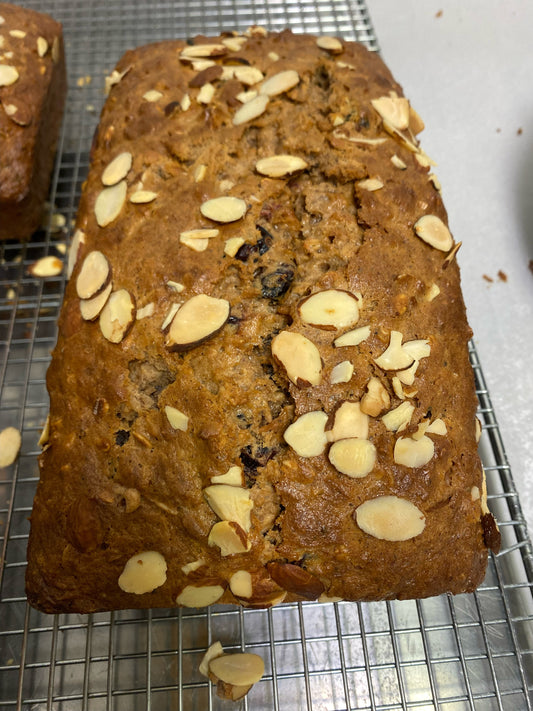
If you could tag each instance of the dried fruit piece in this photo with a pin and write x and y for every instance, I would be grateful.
(354, 457)
(46, 267)
(109, 203)
(238, 669)
(199, 596)
(432, 230)
(394, 357)
(91, 308)
(282, 165)
(299, 356)
(330, 309)
(295, 579)
(394, 110)
(233, 477)
(117, 170)
(143, 573)
(376, 399)
(347, 421)
(10, 442)
(198, 319)
(141, 197)
(8, 75)
(178, 420)
(307, 434)
(240, 584)
(279, 83)
(390, 518)
(250, 110)
(330, 44)
(413, 453)
(398, 419)
(118, 316)
(224, 209)
(229, 537)
(230, 503)
(94, 275)
(341, 373)
(352, 338)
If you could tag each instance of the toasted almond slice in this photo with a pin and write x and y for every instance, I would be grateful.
(185, 102)
(192, 566)
(398, 162)
(215, 650)
(201, 233)
(232, 246)
(352, 338)
(398, 419)
(348, 421)
(224, 209)
(233, 477)
(437, 427)
(376, 399)
(199, 596)
(152, 95)
(359, 138)
(173, 310)
(195, 51)
(206, 94)
(407, 376)
(8, 75)
(241, 584)
(353, 457)
(248, 75)
(279, 83)
(299, 356)
(390, 518)
(330, 44)
(178, 420)
(234, 44)
(238, 669)
(42, 46)
(230, 503)
(432, 230)
(90, 308)
(77, 240)
(417, 349)
(48, 266)
(394, 357)
(280, 166)
(199, 245)
(200, 318)
(245, 96)
(118, 316)
(341, 373)
(109, 202)
(371, 184)
(10, 443)
(307, 434)
(176, 286)
(229, 537)
(140, 197)
(143, 573)
(330, 309)
(394, 110)
(117, 170)
(94, 275)
(250, 110)
(413, 453)
(146, 311)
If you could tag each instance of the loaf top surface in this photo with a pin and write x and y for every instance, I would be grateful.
(350, 466)
(30, 44)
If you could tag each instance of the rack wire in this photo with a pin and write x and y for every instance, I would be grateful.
(451, 653)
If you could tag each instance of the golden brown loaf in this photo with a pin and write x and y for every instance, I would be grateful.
(32, 98)
(275, 402)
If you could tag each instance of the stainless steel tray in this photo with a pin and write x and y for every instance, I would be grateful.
(468, 652)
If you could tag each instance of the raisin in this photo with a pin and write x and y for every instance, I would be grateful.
(275, 284)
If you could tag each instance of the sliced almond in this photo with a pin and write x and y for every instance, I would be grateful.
(90, 308)
(432, 230)
(398, 419)
(436, 182)
(232, 246)
(390, 518)
(206, 94)
(352, 338)
(394, 110)
(359, 138)
(371, 184)
(185, 103)
(407, 376)
(279, 83)
(192, 566)
(330, 309)
(146, 311)
(77, 240)
(250, 110)
(376, 399)
(417, 349)
(176, 286)
(199, 234)
(234, 44)
(238, 669)
(416, 124)
(341, 373)
(200, 318)
(307, 435)
(214, 651)
(143, 573)
(118, 169)
(353, 457)
(347, 421)
(230, 503)
(199, 596)
(282, 165)
(413, 453)
(248, 75)
(173, 310)
(330, 44)
(42, 46)
(48, 266)
(10, 443)
(299, 356)
(141, 197)
(118, 316)
(94, 275)
(394, 357)
(8, 75)
(241, 584)
(437, 427)
(224, 209)
(152, 95)
(233, 477)
(45, 433)
(245, 96)
(397, 162)
(194, 51)
(229, 537)
(178, 420)
(109, 203)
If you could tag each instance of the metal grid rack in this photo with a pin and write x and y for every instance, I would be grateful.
(468, 652)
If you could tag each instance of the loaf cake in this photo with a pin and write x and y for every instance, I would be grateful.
(261, 390)
(32, 97)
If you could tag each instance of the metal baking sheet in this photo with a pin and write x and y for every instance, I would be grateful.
(450, 653)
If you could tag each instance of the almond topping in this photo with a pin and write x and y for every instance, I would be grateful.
(248, 75)
(234, 44)
(143, 573)
(8, 75)
(413, 453)
(192, 566)
(394, 357)
(215, 650)
(432, 230)
(238, 669)
(354, 457)
(177, 419)
(280, 166)
(359, 138)
(229, 537)
(199, 596)
(376, 399)
(117, 170)
(299, 356)
(91, 308)
(330, 44)
(146, 311)
(233, 477)
(206, 94)
(42, 46)
(241, 584)
(152, 95)
(250, 110)
(77, 240)
(200, 318)
(394, 110)
(224, 209)
(46, 267)
(341, 373)
(397, 420)
(348, 421)
(10, 442)
(390, 518)
(352, 338)
(117, 316)
(203, 50)
(230, 503)
(140, 197)
(232, 246)
(173, 310)
(109, 202)
(371, 184)
(417, 349)
(279, 83)
(94, 275)
(307, 435)
(437, 427)
(330, 309)
(398, 162)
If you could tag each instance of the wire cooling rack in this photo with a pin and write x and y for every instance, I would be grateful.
(468, 652)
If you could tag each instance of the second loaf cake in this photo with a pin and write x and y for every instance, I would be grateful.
(261, 389)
